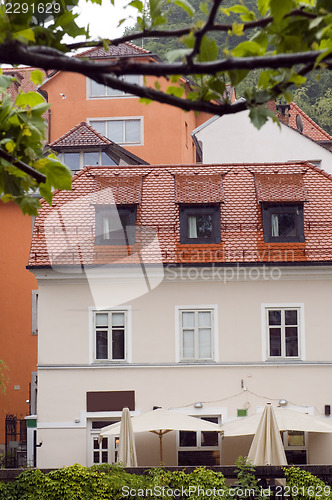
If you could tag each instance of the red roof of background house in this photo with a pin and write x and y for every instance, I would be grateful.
(310, 128)
(64, 234)
(81, 135)
(23, 80)
(122, 50)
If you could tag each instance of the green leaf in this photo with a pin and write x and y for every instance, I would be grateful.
(9, 145)
(174, 55)
(237, 29)
(259, 116)
(184, 5)
(145, 100)
(137, 4)
(30, 205)
(5, 81)
(25, 36)
(37, 77)
(208, 50)
(176, 91)
(248, 49)
(157, 85)
(279, 8)
(30, 99)
(263, 6)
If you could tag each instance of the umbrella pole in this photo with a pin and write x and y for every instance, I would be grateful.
(161, 447)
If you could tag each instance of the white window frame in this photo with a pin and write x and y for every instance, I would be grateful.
(124, 119)
(127, 310)
(34, 312)
(93, 434)
(199, 447)
(214, 336)
(89, 95)
(265, 331)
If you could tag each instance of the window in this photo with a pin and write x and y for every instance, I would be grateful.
(100, 90)
(34, 312)
(76, 161)
(107, 450)
(110, 329)
(283, 223)
(295, 444)
(199, 448)
(284, 332)
(121, 131)
(197, 334)
(200, 223)
(115, 225)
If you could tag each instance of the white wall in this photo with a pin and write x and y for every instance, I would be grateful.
(234, 139)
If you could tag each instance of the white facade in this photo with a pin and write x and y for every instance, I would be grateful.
(233, 372)
(234, 139)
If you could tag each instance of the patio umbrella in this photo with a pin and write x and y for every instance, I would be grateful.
(127, 449)
(267, 447)
(287, 420)
(161, 422)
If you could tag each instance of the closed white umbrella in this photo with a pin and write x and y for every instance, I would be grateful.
(160, 422)
(267, 447)
(127, 449)
(287, 420)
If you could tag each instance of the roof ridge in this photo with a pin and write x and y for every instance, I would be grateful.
(75, 129)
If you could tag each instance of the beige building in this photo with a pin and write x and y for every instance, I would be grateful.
(203, 289)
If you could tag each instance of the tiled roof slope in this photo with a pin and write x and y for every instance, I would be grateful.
(64, 234)
(81, 135)
(280, 188)
(121, 50)
(310, 128)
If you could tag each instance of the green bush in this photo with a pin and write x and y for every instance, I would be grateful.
(301, 485)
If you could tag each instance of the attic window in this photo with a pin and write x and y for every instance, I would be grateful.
(283, 223)
(200, 223)
(115, 225)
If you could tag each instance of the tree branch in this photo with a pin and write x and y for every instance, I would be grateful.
(23, 166)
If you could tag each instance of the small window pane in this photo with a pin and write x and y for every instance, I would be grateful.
(188, 438)
(118, 344)
(274, 317)
(96, 457)
(204, 318)
(275, 342)
(92, 158)
(286, 224)
(104, 443)
(296, 438)
(115, 130)
(99, 126)
(106, 160)
(132, 79)
(132, 131)
(114, 92)
(101, 345)
(291, 341)
(72, 160)
(209, 438)
(204, 226)
(188, 344)
(204, 343)
(104, 457)
(97, 88)
(102, 319)
(95, 444)
(291, 317)
(117, 319)
(188, 319)
(192, 226)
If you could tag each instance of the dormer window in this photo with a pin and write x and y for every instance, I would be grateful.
(282, 197)
(200, 223)
(115, 225)
(283, 223)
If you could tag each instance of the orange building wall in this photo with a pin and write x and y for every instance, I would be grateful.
(18, 347)
(165, 139)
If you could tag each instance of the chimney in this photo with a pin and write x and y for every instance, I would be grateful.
(283, 112)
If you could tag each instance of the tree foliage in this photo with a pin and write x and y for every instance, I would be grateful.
(285, 40)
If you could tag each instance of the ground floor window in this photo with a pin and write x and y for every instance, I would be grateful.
(106, 451)
(295, 443)
(199, 448)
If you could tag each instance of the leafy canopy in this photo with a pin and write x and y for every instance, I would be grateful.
(284, 39)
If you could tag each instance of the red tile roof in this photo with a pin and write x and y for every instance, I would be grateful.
(23, 77)
(198, 189)
(64, 233)
(121, 50)
(280, 188)
(124, 190)
(310, 128)
(81, 135)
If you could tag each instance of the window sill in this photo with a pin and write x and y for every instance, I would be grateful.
(284, 360)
